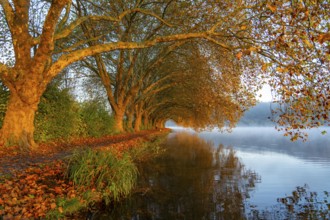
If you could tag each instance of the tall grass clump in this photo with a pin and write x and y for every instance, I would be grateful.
(149, 149)
(111, 176)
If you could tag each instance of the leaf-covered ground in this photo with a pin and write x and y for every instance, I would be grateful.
(33, 184)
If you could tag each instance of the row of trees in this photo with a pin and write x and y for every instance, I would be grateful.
(198, 63)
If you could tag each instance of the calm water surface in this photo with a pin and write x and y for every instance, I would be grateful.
(251, 173)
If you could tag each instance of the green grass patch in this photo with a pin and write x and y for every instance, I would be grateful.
(113, 177)
(147, 150)
(103, 176)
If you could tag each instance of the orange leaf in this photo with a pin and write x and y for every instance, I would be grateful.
(58, 190)
(324, 37)
(272, 7)
(53, 206)
(239, 55)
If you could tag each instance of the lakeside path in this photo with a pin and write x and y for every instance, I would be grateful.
(12, 161)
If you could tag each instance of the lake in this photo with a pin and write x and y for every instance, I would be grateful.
(251, 173)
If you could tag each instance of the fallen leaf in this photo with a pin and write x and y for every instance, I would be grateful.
(60, 209)
(53, 206)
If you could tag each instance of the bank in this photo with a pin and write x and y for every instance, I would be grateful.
(76, 184)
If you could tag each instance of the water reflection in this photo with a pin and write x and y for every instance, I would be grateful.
(301, 204)
(192, 180)
(268, 139)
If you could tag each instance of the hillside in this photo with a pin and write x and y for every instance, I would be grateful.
(259, 115)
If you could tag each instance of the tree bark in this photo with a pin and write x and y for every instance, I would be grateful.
(159, 124)
(137, 122)
(145, 121)
(18, 124)
(129, 123)
(118, 116)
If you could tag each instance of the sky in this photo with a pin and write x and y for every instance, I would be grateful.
(264, 95)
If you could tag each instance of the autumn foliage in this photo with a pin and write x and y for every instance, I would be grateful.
(129, 47)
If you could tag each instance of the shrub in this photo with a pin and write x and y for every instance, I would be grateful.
(112, 177)
(4, 95)
(57, 116)
(98, 122)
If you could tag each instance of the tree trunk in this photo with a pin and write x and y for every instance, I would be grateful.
(137, 122)
(18, 124)
(129, 122)
(145, 121)
(118, 126)
(159, 124)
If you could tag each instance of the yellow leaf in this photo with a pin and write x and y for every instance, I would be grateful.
(253, 49)
(60, 209)
(308, 44)
(279, 69)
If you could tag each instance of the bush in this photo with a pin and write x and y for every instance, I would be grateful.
(112, 177)
(4, 95)
(57, 116)
(98, 122)
(60, 116)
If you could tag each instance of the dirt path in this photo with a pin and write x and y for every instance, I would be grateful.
(10, 162)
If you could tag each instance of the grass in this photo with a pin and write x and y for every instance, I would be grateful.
(148, 149)
(103, 176)
(104, 171)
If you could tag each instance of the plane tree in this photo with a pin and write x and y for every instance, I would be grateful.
(297, 35)
(123, 72)
(201, 94)
(39, 57)
(129, 73)
(287, 36)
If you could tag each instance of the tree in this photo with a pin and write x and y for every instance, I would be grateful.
(285, 35)
(122, 73)
(203, 95)
(39, 58)
(299, 72)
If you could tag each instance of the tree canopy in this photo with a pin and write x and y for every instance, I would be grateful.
(202, 60)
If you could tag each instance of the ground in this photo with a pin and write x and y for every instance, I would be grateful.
(33, 183)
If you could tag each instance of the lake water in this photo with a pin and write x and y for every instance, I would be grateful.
(251, 173)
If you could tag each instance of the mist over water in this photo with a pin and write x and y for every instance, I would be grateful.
(282, 164)
(268, 139)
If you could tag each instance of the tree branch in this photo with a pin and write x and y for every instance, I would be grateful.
(66, 16)
(68, 30)
(46, 44)
(144, 12)
(74, 56)
(9, 12)
(3, 68)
